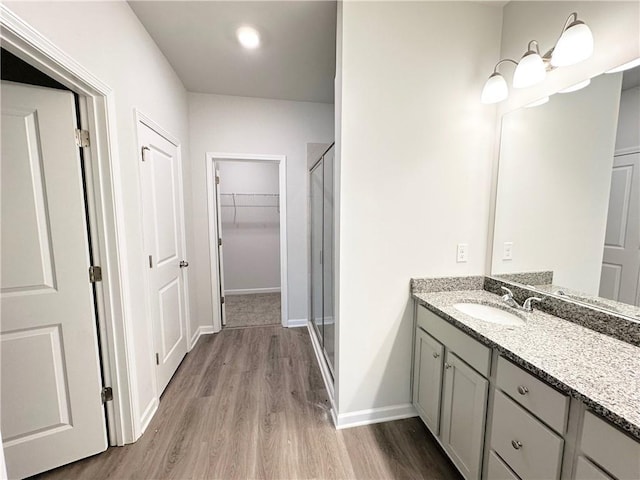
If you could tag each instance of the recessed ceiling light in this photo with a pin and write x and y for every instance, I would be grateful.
(248, 37)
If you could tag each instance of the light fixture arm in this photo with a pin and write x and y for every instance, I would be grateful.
(495, 69)
(536, 44)
(572, 18)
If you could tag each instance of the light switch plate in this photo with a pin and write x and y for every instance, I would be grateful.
(463, 249)
(507, 251)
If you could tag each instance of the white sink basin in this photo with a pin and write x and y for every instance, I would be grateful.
(490, 314)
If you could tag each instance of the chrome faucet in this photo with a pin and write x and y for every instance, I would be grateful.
(527, 306)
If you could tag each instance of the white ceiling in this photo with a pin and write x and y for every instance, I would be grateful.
(296, 60)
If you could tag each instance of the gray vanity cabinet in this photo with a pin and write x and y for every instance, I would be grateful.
(464, 406)
(427, 379)
(450, 389)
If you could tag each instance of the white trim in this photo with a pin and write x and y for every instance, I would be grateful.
(148, 413)
(281, 160)
(297, 322)
(106, 213)
(375, 415)
(201, 330)
(248, 291)
(324, 370)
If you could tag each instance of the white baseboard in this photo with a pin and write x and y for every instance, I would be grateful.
(246, 291)
(297, 322)
(201, 330)
(375, 415)
(324, 370)
(147, 415)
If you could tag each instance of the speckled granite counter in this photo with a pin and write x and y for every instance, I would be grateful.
(597, 369)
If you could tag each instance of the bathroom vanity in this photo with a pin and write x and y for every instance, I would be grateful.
(546, 398)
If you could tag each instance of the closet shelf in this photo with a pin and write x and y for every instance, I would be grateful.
(240, 200)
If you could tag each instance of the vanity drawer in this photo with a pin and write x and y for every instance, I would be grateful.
(531, 450)
(471, 351)
(585, 470)
(498, 470)
(533, 394)
(613, 450)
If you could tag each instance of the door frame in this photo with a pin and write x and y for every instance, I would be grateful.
(104, 210)
(281, 161)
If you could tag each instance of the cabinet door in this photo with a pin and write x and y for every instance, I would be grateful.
(463, 415)
(427, 382)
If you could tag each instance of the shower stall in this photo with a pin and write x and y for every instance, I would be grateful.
(321, 257)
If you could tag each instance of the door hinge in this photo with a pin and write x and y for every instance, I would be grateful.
(217, 180)
(222, 300)
(219, 242)
(157, 359)
(95, 274)
(150, 261)
(82, 138)
(106, 394)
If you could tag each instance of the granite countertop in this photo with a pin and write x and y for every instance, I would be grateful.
(597, 369)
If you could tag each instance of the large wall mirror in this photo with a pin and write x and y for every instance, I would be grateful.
(568, 194)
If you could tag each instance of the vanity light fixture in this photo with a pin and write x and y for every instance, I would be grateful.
(531, 69)
(576, 87)
(248, 37)
(625, 66)
(574, 45)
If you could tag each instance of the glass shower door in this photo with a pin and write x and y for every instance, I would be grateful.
(315, 263)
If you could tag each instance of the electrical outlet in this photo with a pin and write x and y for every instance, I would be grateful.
(507, 251)
(463, 249)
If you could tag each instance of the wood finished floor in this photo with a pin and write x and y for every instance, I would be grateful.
(250, 403)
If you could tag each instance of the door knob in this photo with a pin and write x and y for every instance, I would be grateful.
(184, 263)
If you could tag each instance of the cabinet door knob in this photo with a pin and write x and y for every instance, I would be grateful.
(522, 390)
(446, 365)
(436, 354)
(516, 444)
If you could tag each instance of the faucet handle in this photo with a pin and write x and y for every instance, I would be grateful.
(509, 292)
(527, 305)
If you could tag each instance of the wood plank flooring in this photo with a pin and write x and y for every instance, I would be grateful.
(250, 403)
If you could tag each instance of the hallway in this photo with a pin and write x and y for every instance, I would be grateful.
(250, 403)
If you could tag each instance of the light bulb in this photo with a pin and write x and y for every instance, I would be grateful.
(495, 90)
(574, 45)
(530, 70)
(576, 87)
(248, 37)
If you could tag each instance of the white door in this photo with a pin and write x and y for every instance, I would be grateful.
(51, 406)
(621, 261)
(163, 238)
(223, 313)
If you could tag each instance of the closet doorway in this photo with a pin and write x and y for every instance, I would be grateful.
(248, 239)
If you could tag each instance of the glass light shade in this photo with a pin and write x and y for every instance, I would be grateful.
(530, 70)
(576, 87)
(575, 44)
(495, 90)
(542, 101)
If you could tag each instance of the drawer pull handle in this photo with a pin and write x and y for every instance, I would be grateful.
(516, 444)
(436, 354)
(522, 390)
(446, 365)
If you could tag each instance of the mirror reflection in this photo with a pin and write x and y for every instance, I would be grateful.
(568, 194)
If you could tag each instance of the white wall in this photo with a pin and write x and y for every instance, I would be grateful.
(415, 164)
(108, 40)
(628, 135)
(554, 182)
(250, 235)
(615, 27)
(230, 124)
